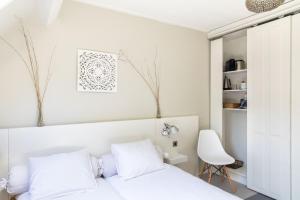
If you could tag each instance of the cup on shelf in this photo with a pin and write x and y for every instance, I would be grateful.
(243, 85)
(240, 64)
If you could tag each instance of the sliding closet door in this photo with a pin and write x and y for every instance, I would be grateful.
(268, 148)
(296, 107)
(216, 86)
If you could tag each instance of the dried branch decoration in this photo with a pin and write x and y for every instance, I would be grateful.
(33, 69)
(151, 78)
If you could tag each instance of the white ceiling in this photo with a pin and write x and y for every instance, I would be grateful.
(4, 3)
(204, 15)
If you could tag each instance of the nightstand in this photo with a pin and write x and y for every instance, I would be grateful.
(175, 159)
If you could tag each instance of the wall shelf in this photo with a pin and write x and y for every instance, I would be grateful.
(235, 90)
(240, 171)
(240, 174)
(236, 71)
(235, 109)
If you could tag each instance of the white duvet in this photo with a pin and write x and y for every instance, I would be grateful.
(104, 191)
(170, 183)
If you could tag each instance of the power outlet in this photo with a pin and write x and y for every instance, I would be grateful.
(175, 143)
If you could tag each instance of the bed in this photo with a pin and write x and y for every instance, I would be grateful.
(103, 191)
(169, 183)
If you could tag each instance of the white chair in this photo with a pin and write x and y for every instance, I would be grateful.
(211, 151)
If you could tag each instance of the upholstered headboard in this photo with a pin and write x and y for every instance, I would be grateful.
(16, 145)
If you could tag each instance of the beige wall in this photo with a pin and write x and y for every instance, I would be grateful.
(183, 56)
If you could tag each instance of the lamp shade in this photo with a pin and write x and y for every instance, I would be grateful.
(259, 6)
(174, 130)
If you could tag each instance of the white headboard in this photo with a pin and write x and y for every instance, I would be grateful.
(16, 145)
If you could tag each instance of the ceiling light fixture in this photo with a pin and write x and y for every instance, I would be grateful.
(259, 6)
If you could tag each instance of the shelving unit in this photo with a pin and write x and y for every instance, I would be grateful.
(230, 123)
(235, 119)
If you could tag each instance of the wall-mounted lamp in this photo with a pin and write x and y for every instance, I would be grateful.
(169, 130)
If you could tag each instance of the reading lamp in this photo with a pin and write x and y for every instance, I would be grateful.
(169, 130)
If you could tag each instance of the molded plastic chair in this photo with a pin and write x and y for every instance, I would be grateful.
(211, 151)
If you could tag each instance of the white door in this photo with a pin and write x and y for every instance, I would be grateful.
(296, 107)
(268, 121)
(216, 86)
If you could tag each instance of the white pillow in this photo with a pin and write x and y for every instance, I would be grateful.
(135, 159)
(95, 166)
(18, 180)
(108, 165)
(60, 174)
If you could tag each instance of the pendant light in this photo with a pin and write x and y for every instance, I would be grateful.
(259, 6)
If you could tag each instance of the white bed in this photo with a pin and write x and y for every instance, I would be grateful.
(170, 183)
(104, 191)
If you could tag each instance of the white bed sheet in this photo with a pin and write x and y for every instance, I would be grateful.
(104, 191)
(170, 183)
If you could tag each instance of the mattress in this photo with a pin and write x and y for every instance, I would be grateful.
(170, 183)
(104, 191)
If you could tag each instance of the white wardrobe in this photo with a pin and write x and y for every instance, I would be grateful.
(266, 136)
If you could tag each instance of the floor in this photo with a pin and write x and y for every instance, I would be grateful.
(242, 191)
(259, 197)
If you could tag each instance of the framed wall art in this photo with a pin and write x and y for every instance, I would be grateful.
(97, 71)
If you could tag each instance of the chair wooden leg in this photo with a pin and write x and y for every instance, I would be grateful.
(203, 169)
(233, 186)
(222, 174)
(209, 174)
